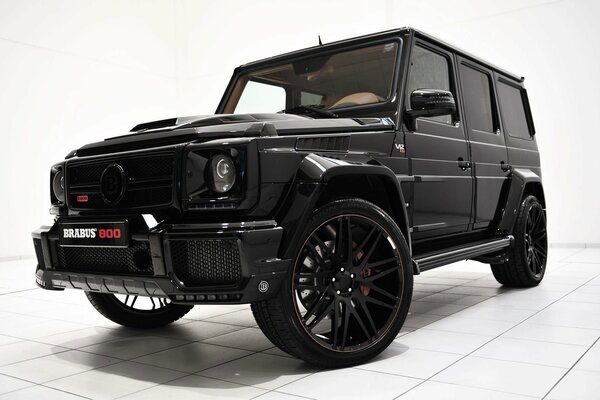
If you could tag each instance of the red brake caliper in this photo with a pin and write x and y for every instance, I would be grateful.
(365, 272)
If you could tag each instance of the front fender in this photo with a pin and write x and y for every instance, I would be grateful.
(310, 181)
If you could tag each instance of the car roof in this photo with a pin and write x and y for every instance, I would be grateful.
(381, 35)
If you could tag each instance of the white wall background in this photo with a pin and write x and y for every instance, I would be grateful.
(74, 71)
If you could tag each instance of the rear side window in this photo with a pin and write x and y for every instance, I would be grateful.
(429, 70)
(513, 111)
(477, 99)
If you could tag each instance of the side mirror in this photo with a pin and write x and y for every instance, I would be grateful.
(431, 103)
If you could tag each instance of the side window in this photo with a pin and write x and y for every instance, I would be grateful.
(258, 97)
(429, 70)
(513, 111)
(477, 99)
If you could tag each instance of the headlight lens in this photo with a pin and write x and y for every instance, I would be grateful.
(58, 186)
(223, 173)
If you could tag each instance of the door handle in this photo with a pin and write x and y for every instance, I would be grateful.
(463, 165)
(504, 166)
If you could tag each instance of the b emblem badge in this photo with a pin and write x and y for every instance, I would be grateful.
(112, 184)
(263, 286)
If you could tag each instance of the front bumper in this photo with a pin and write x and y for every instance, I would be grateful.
(229, 263)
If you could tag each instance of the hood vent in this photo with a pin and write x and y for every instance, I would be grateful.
(327, 143)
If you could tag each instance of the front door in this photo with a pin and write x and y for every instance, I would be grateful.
(438, 153)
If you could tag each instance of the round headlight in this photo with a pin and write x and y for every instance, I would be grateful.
(223, 173)
(58, 186)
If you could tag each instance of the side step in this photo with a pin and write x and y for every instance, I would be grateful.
(427, 261)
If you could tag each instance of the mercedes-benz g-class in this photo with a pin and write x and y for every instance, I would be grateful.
(325, 180)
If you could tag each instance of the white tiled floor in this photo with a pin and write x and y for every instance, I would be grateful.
(465, 338)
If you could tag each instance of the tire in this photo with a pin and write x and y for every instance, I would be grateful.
(334, 309)
(527, 257)
(125, 314)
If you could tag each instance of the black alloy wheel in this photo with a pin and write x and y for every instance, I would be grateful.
(528, 255)
(349, 291)
(536, 245)
(339, 291)
(139, 312)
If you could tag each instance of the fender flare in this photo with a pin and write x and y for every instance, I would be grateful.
(309, 183)
(520, 178)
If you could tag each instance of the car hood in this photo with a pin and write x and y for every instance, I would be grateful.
(206, 127)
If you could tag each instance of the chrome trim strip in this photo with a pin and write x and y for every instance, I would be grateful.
(226, 225)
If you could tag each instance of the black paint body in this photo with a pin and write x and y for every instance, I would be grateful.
(444, 184)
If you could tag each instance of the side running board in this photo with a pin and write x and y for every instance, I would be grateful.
(427, 261)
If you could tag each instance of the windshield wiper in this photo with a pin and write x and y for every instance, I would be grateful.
(306, 109)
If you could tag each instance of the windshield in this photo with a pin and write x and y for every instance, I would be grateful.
(318, 85)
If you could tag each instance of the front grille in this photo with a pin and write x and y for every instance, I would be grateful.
(134, 259)
(149, 182)
(206, 262)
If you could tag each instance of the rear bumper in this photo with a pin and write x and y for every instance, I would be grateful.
(189, 263)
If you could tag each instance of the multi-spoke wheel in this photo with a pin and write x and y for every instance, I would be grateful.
(349, 291)
(137, 311)
(527, 257)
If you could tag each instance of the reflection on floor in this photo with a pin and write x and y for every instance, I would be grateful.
(466, 338)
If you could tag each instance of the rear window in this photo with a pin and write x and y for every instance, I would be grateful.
(513, 111)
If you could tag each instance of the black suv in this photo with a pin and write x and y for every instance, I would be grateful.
(327, 178)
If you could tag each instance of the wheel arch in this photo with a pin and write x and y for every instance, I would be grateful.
(524, 182)
(320, 180)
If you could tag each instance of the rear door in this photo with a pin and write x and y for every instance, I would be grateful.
(437, 150)
(488, 149)
(517, 124)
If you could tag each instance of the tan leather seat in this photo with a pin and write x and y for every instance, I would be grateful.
(358, 99)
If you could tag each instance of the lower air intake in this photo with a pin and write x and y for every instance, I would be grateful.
(133, 260)
(206, 262)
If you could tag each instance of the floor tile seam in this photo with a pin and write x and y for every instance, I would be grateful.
(579, 250)
(66, 391)
(253, 386)
(132, 358)
(287, 394)
(471, 387)
(484, 344)
(541, 341)
(361, 368)
(213, 316)
(519, 362)
(185, 375)
(226, 323)
(85, 325)
(119, 361)
(35, 358)
(569, 370)
(18, 291)
(40, 385)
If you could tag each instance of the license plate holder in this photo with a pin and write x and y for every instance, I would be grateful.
(93, 234)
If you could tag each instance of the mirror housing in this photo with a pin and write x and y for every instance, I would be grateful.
(431, 103)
